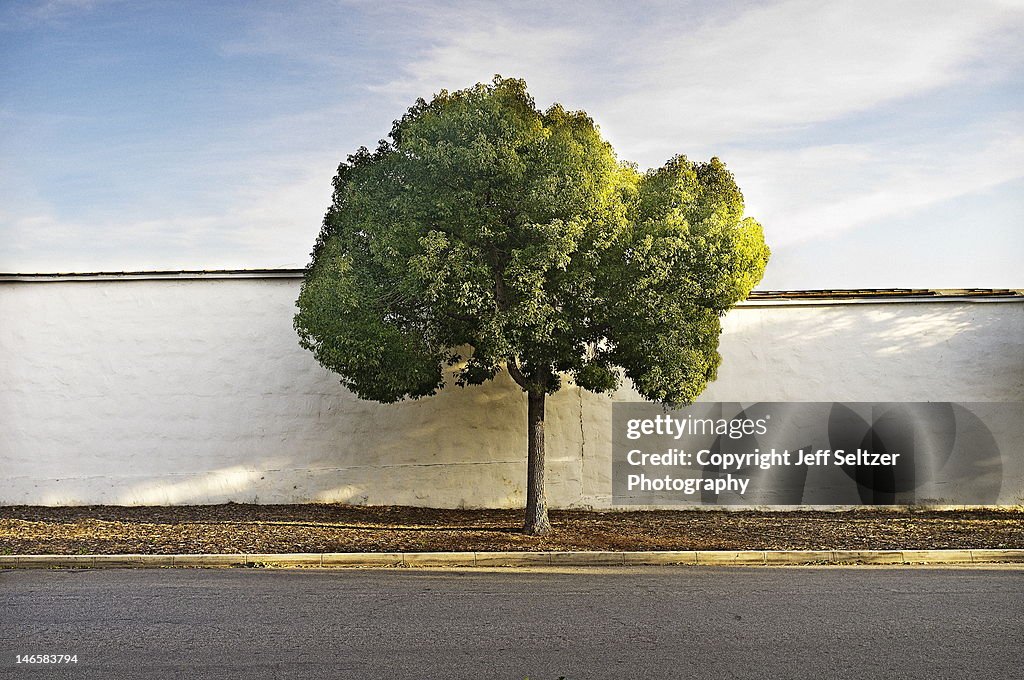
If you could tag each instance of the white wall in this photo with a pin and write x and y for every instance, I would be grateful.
(196, 391)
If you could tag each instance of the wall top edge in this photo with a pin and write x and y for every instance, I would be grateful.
(153, 275)
(756, 298)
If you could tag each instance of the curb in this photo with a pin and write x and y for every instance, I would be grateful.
(520, 559)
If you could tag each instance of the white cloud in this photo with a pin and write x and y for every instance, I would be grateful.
(818, 191)
(796, 63)
(271, 220)
(469, 54)
(49, 11)
(661, 80)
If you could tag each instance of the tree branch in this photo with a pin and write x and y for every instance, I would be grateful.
(512, 366)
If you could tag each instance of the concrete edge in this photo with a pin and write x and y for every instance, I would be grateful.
(519, 559)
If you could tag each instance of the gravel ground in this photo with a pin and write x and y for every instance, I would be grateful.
(235, 528)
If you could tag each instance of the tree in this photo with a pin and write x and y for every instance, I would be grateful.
(488, 235)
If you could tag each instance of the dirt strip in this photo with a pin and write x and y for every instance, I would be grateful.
(315, 528)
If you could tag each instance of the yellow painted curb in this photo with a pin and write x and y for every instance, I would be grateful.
(439, 559)
(362, 559)
(513, 559)
(731, 557)
(997, 555)
(868, 556)
(586, 559)
(688, 557)
(520, 559)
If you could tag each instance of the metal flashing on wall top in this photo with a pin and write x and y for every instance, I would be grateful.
(759, 298)
(756, 298)
(154, 275)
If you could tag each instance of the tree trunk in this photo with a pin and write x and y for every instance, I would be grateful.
(537, 523)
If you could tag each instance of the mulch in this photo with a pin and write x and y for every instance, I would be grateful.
(244, 528)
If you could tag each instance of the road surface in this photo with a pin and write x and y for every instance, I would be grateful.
(641, 623)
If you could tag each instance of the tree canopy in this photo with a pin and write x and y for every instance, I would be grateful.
(486, 227)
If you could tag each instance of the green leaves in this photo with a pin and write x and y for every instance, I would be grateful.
(485, 223)
(351, 325)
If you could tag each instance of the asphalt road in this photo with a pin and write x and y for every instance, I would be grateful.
(644, 623)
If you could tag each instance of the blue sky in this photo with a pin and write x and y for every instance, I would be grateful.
(881, 144)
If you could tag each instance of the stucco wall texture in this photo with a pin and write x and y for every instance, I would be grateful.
(196, 391)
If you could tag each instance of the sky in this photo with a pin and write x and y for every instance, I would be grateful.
(881, 144)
